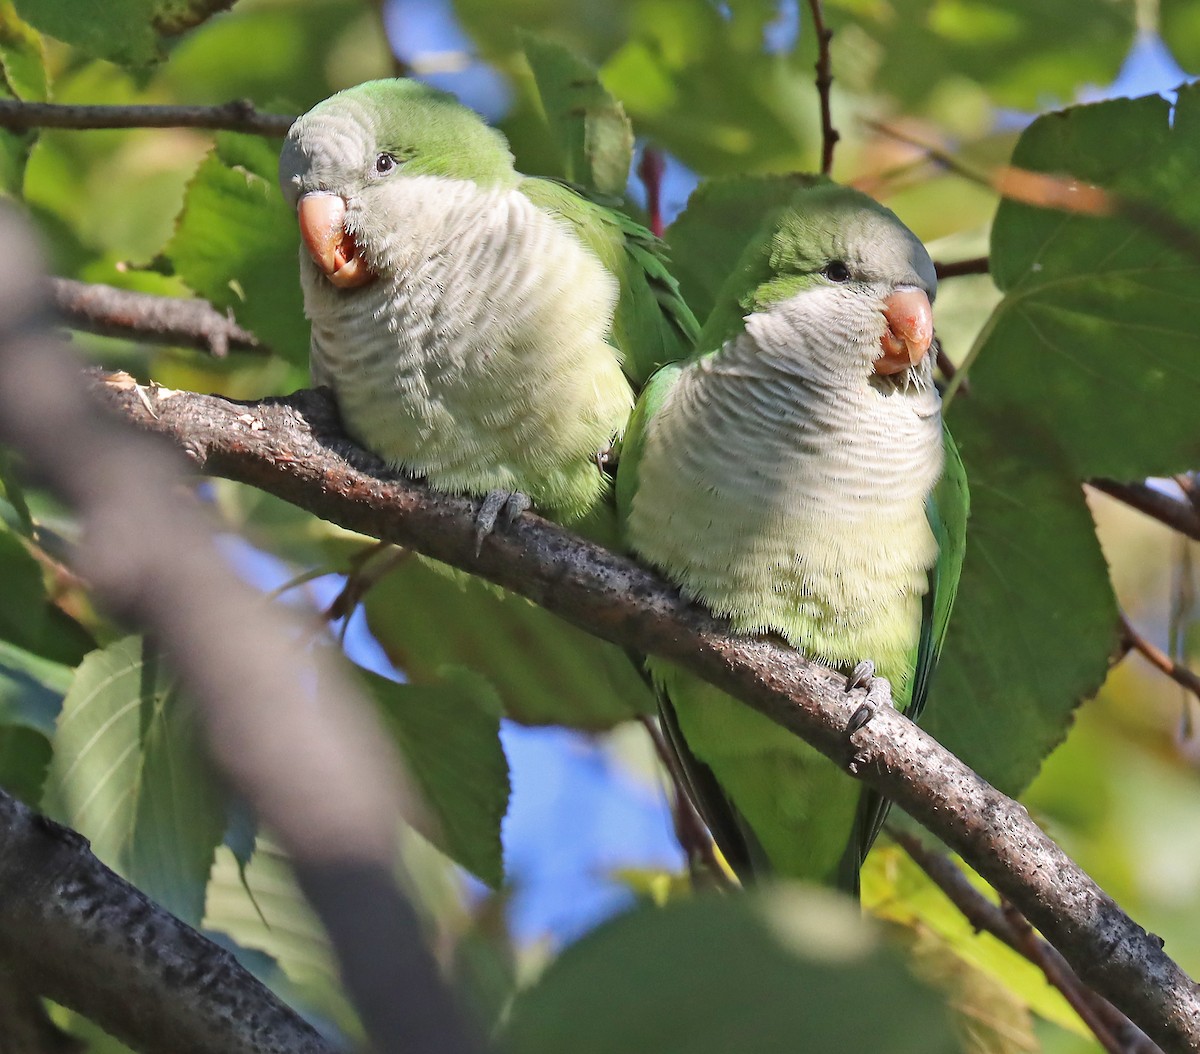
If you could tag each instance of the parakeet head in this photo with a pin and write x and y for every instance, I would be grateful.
(845, 268)
(350, 148)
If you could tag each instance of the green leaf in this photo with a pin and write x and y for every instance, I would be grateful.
(28, 618)
(588, 126)
(22, 57)
(130, 32)
(1179, 24)
(23, 600)
(131, 775)
(14, 512)
(1099, 317)
(316, 47)
(236, 243)
(706, 89)
(24, 759)
(1035, 618)
(267, 913)
(896, 890)
(788, 966)
(449, 733)
(22, 76)
(31, 689)
(1097, 326)
(1021, 52)
(545, 671)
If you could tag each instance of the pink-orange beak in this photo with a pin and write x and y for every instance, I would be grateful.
(322, 218)
(909, 331)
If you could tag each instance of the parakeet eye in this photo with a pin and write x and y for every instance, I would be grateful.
(384, 164)
(836, 271)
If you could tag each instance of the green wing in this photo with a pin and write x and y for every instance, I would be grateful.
(653, 325)
(947, 510)
(629, 451)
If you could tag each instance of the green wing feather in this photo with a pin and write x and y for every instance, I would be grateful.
(947, 510)
(653, 325)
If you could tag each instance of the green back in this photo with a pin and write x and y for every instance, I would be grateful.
(652, 325)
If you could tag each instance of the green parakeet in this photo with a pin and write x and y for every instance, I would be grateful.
(796, 477)
(479, 328)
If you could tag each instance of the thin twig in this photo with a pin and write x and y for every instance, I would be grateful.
(829, 134)
(1096, 1012)
(240, 115)
(949, 371)
(1159, 659)
(957, 268)
(1061, 977)
(690, 830)
(113, 312)
(1179, 516)
(1064, 193)
(365, 573)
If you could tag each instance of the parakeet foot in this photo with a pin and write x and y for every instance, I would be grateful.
(507, 503)
(879, 694)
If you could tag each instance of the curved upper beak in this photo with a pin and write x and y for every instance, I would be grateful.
(322, 216)
(909, 331)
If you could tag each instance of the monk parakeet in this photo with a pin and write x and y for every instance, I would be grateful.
(480, 328)
(796, 477)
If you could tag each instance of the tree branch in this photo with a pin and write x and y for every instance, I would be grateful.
(1110, 1026)
(829, 134)
(1180, 516)
(239, 115)
(113, 312)
(291, 447)
(958, 268)
(1187, 679)
(151, 981)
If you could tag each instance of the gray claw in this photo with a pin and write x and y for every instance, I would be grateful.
(509, 503)
(879, 695)
(861, 676)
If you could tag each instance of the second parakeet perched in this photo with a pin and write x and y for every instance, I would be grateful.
(797, 478)
(480, 328)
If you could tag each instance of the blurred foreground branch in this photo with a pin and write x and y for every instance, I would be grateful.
(294, 448)
(322, 779)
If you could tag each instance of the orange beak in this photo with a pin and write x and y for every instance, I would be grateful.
(322, 226)
(909, 331)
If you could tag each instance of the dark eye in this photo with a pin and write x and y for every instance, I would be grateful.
(384, 164)
(836, 271)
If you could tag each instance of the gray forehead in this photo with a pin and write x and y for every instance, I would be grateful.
(324, 145)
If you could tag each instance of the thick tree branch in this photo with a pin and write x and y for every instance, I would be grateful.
(237, 116)
(113, 312)
(290, 447)
(150, 980)
(324, 780)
